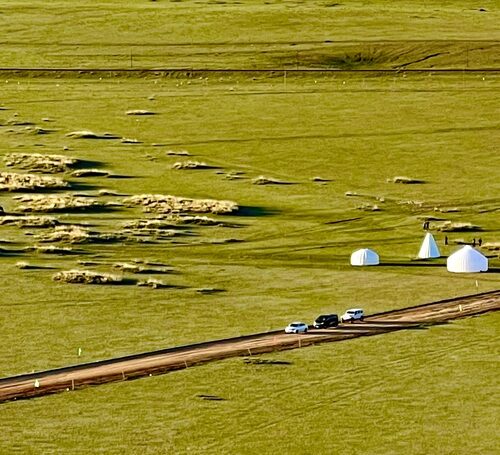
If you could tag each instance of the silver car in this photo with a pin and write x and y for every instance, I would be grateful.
(296, 327)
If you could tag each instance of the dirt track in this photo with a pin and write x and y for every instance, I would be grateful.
(158, 362)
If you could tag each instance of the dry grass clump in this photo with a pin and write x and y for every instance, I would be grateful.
(137, 268)
(89, 173)
(128, 140)
(209, 290)
(139, 112)
(320, 179)
(413, 204)
(57, 203)
(191, 165)
(201, 221)
(84, 134)
(29, 221)
(405, 180)
(369, 207)
(447, 209)
(78, 234)
(178, 152)
(173, 221)
(261, 180)
(150, 225)
(152, 283)
(234, 175)
(37, 162)
(51, 249)
(160, 203)
(449, 226)
(11, 181)
(89, 277)
(491, 246)
(109, 193)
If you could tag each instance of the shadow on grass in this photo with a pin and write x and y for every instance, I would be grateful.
(411, 264)
(37, 267)
(88, 164)
(265, 362)
(247, 210)
(120, 176)
(5, 252)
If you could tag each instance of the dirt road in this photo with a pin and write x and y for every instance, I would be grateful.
(158, 362)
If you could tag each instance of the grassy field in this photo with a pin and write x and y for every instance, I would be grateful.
(291, 262)
(250, 34)
(418, 392)
(293, 241)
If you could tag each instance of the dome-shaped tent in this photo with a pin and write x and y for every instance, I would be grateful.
(429, 248)
(467, 260)
(364, 256)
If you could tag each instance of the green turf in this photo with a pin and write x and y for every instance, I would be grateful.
(415, 392)
(291, 263)
(358, 130)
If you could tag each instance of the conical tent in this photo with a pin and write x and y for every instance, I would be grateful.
(467, 260)
(429, 248)
(364, 256)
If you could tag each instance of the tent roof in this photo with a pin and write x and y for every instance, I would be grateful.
(467, 260)
(429, 248)
(364, 256)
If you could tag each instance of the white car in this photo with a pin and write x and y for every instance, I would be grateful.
(296, 327)
(354, 314)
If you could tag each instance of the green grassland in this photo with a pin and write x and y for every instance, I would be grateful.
(291, 258)
(418, 392)
(290, 263)
(250, 34)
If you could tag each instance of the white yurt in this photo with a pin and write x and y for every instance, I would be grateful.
(467, 260)
(364, 256)
(429, 248)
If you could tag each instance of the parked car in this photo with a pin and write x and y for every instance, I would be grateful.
(326, 320)
(296, 327)
(354, 314)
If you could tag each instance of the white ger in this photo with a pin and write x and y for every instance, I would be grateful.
(467, 260)
(364, 256)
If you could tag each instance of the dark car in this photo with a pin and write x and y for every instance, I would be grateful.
(326, 320)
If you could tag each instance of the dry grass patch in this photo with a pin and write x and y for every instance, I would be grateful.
(262, 180)
(405, 180)
(84, 134)
(89, 173)
(89, 277)
(140, 112)
(160, 203)
(78, 234)
(173, 221)
(29, 221)
(57, 203)
(320, 179)
(178, 153)
(51, 249)
(37, 162)
(369, 207)
(449, 226)
(153, 283)
(138, 268)
(491, 246)
(192, 165)
(11, 181)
